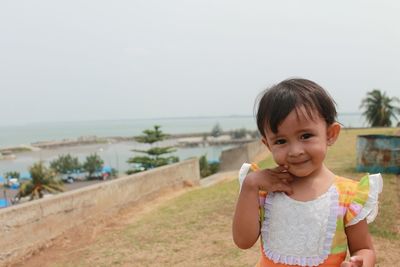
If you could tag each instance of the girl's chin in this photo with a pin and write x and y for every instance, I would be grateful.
(300, 173)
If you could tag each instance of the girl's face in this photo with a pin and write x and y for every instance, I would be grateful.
(301, 142)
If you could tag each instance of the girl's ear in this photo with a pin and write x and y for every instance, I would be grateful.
(265, 142)
(332, 133)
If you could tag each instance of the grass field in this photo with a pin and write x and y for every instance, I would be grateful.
(194, 229)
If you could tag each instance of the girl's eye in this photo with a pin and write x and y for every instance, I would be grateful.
(306, 136)
(280, 142)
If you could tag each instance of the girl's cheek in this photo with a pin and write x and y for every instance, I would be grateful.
(278, 158)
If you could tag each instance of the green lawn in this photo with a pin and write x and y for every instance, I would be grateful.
(194, 229)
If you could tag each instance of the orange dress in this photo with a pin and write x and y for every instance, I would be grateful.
(312, 233)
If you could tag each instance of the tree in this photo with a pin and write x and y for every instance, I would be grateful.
(379, 108)
(43, 179)
(12, 174)
(151, 136)
(153, 156)
(216, 130)
(239, 133)
(93, 164)
(65, 164)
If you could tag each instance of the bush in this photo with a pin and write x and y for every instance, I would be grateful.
(239, 133)
(12, 174)
(255, 134)
(207, 168)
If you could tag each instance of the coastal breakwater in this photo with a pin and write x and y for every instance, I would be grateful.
(30, 226)
(183, 140)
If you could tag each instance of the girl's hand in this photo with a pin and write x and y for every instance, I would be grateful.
(271, 180)
(246, 224)
(355, 261)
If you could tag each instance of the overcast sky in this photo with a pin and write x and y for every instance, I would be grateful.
(83, 60)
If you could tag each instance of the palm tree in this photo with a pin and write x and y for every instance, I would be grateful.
(43, 179)
(379, 108)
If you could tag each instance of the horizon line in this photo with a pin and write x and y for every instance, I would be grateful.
(150, 118)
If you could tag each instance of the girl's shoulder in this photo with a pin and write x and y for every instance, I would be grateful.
(345, 185)
(359, 198)
(367, 183)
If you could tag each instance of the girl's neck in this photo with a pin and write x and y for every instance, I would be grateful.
(312, 186)
(321, 173)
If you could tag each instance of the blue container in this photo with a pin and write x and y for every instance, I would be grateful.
(378, 153)
(4, 203)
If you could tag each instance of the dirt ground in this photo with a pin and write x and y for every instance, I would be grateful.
(78, 238)
(75, 242)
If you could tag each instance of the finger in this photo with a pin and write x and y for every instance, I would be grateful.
(357, 260)
(281, 187)
(288, 177)
(277, 169)
(277, 173)
(284, 176)
(345, 264)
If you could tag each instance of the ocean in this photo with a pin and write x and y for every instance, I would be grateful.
(48, 131)
(116, 154)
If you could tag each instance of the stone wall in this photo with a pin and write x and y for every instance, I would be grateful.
(26, 227)
(232, 159)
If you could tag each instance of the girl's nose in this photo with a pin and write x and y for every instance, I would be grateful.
(295, 150)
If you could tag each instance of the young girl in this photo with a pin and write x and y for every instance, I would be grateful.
(304, 213)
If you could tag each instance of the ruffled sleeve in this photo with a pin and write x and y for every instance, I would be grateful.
(364, 200)
(244, 170)
(246, 167)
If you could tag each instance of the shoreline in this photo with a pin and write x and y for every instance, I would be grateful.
(182, 140)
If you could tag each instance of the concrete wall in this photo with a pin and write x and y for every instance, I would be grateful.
(26, 227)
(232, 159)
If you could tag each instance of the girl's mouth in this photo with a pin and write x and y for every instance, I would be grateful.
(295, 163)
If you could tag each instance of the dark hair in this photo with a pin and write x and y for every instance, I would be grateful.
(275, 103)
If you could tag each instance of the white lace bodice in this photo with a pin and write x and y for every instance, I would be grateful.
(296, 232)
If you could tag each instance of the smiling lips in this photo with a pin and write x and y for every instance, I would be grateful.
(298, 162)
